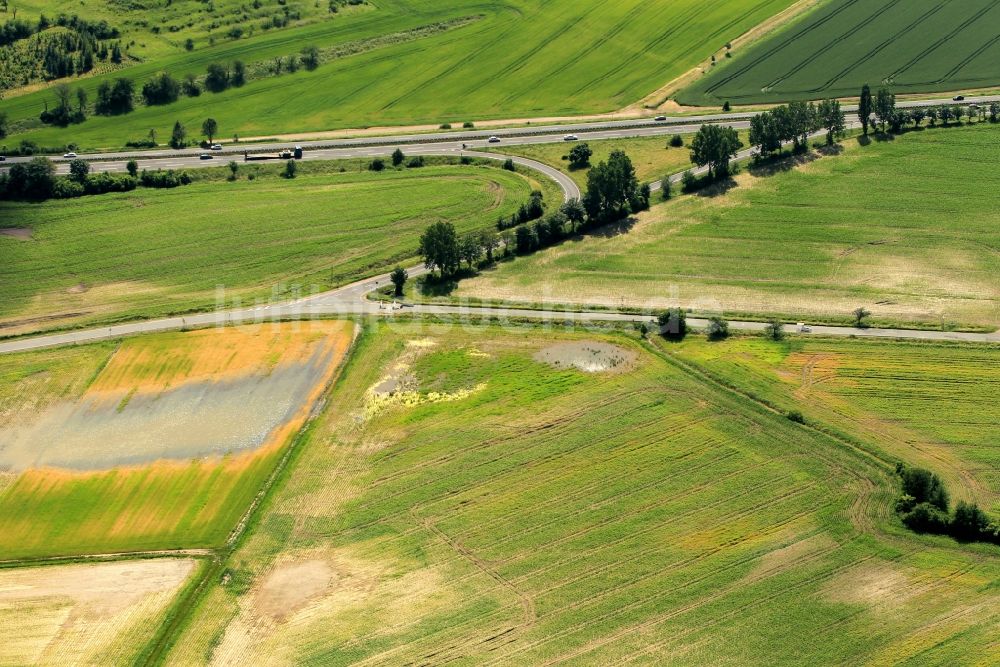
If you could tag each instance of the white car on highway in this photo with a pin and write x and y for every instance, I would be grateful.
(571, 137)
(216, 147)
(494, 139)
(70, 154)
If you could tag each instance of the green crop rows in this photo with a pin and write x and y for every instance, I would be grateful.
(911, 45)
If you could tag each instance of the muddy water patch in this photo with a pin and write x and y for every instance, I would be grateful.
(191, 421)
(587, 356)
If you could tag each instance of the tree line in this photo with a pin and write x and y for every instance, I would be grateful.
(923, 507)
(36, 180)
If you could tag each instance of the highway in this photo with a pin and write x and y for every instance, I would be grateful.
(435, 143)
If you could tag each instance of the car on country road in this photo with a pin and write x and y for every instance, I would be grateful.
(571, 137)
(494, 139)
(3, 158)
(958, 98)
(70, 154)
(660, 118)
(216, 147)
(206, 156)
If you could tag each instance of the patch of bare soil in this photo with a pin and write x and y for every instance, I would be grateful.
(22, 233)
(876, 584)
(291, 586)
(587, 356)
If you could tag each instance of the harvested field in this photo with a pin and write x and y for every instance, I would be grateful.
(175, 433)
(85, 614)
(587, 356)
(549, 515)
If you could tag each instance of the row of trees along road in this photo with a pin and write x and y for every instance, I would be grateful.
(794, 122)
(613, 193)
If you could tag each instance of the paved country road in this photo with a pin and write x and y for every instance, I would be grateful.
(350, 301)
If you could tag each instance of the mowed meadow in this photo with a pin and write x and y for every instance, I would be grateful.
(906, 228)
(534, 497)
(159, 442)
(933, 405)
(421, 61)
(914, 46)
(151, 252)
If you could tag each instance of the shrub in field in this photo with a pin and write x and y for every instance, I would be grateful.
(415, 162)
(161, 89)
(290, 168)
(397, 157)
(861, 317)
(579, 156)
(378, 164)
(508, 164)
(677, 141)
(718, 328)
(795, 416)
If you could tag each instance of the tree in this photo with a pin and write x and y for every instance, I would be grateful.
(397, 157)
(677, 141)
(178, 136)
(190, 85)
(161, 89)
(932, 114)
(209, 128)
(612, 187)
(469, 249)
(917, 115)
(994, 112)
(489, 242)
(944, 113)
(765, 132)
(4, 128)
(574, 212)
(924, 486)
(861, 316)
(775, 330)
(114, 98)
(81, 101)
(217, 79)
(885, 106)
(378, 164)
(579, 156)
(970, 522)
(439, 248)
(803, 119)
(189, 44)
(310, 57)
(715, 145)
(971, 112)
(718, 328)
(36, 178)
(673, 323)
(132, 167)
(78, 170)
(239, 73)
(508, 164)
(290, 168)
(399, 277)
(525, 239)
(832, 118)
(233, 168)
(665, 188)
(865, 107)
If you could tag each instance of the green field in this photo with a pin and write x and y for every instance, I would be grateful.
(499, 510)
(150, 252)
(914, 46)
(652, 157)
(907, 228)
(419, 61)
